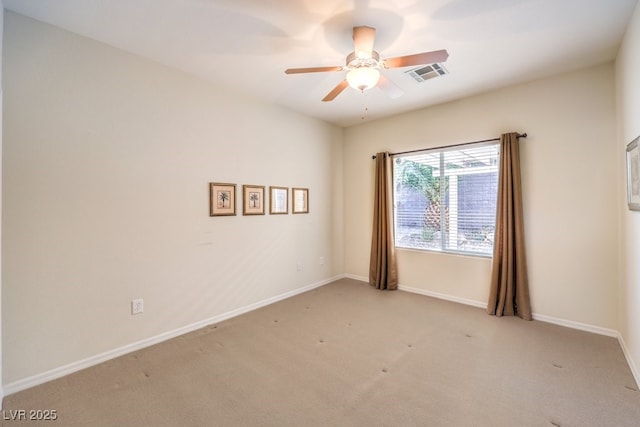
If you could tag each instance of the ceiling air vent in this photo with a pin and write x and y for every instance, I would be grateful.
(426, 72)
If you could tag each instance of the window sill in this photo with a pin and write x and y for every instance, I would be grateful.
(445, 252)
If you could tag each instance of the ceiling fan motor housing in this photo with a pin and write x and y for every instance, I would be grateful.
(354, 62)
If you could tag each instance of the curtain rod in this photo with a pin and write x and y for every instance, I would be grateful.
(520, 135)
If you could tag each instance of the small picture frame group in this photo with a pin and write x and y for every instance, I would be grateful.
(222, 200)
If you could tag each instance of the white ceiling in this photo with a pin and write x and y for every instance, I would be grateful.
(246, 45)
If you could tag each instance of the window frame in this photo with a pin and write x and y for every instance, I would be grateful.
(444, 249)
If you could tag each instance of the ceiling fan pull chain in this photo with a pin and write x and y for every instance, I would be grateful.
(364, 104)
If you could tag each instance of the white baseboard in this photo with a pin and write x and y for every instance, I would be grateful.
(61, 371)
(576, 325)
(445, 297)
(354, 277)
(627, 355)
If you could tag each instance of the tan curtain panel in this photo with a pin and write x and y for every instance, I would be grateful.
(383, 273)
(509, 294)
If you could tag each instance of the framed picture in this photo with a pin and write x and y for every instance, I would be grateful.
(222, 199)
(300, 197)
(253, 200)
(633, 175)
(278, 200)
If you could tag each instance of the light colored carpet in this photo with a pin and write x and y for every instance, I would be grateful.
(346, 354)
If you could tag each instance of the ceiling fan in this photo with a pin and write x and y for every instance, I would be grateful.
(363, 65)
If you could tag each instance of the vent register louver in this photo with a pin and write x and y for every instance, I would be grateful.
(427, 72)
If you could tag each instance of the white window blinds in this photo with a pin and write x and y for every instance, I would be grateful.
(445, 199)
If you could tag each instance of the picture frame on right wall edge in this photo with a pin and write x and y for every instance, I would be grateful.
(633, 175)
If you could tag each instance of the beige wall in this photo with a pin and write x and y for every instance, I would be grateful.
(107, 160)
(1, 98)
(569, 166)
(628, 103)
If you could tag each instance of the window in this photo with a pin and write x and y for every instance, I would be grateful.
(445, 199)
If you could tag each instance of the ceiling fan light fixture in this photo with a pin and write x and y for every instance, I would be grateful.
(363, 65)
(363, 78)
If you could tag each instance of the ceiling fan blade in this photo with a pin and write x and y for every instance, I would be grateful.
(390, 88)
(417, 59)
(363, 41)
(311, 70)
(336, 91)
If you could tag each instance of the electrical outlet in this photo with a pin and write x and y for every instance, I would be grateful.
(321, 260)
(298, 266)
(137, 306)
